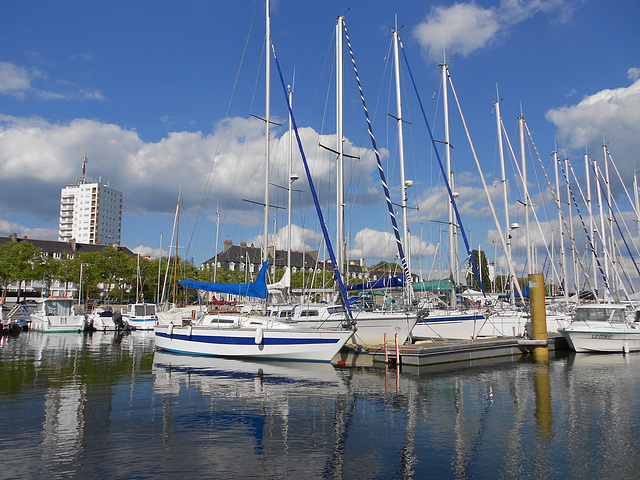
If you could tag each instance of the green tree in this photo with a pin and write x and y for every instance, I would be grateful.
(20, 261)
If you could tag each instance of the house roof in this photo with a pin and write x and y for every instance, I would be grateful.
(53, 246)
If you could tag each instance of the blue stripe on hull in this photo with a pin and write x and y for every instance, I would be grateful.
(249, 340)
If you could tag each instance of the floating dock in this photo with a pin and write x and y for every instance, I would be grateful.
(446, 351)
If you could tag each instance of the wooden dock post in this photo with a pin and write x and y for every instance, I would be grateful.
(538, 316)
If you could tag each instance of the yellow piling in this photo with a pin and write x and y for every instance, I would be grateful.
(538, 316)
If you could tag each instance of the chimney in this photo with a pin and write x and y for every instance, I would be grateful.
(14, 237)
(72, 242)
(227, 245)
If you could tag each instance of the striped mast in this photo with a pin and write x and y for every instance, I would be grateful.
(394, 223)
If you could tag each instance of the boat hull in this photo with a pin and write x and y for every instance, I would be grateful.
(55, 324)
(602, 340)
(142, 323)
(373, 327)
(283, 344)
(449, 325)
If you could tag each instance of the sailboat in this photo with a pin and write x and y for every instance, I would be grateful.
(439, 323)
(249, 336)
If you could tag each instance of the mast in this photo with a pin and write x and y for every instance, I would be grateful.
(215, 264)
(574, 260)
(590, 211)
(175, 262)
(292, 178)
(612, 250)
(603, 232)
(527, 201)
(447, 151)
(563, 252)
(159, 271)
(405, 184)
(340, 241)
(265, 250)
(505, 199)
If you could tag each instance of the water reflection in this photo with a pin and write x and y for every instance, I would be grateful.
(108, 405)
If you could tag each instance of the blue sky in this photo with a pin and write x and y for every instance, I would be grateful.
(161, 96)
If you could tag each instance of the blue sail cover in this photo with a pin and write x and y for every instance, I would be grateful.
(257, 289)
(386, 282)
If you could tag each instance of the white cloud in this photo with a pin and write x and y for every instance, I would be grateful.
(612, 115)
(460, 28)
(633, 73)
(14, 80)
(464, 28)
(19, 82)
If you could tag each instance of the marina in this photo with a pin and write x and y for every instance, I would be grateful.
(72, 403)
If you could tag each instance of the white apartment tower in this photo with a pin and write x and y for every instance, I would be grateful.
(90, 213)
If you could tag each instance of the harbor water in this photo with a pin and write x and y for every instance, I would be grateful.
(108, 405)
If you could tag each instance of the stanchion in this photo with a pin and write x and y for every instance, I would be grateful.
(386, 354)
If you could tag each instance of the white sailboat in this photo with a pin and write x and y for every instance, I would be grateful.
(259, 336)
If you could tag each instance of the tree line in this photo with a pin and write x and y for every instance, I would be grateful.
(114, 276)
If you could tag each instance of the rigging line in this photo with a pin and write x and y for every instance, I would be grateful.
(633, 206)
(405, 267)
(336, 271)
(615, 220)
(442, 170)
(544, 241)
(586, 230)
(209, 182)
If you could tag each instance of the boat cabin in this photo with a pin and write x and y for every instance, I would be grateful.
(600, 313)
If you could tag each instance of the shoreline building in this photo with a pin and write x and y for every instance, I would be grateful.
(90, 213)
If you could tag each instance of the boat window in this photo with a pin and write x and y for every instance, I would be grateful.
(309, 313)
(58, 308)
(615, 315)
(337, 309)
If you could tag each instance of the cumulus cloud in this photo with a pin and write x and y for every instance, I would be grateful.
(612, 115)
(633, 73)
(464, 28)
(220, 168)
(14, 80)
(18, 81)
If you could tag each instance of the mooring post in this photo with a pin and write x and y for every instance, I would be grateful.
(538, 316)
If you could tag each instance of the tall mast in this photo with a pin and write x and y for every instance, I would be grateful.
(292, 178)
(590, 211)
(612, 250)
(527, 200)
(603, 232)
(215, 265)
(574, 260)
(505, 199)
(265, 250)
(447, 152)
(341, 253)
(563, 252)
(404, 183)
